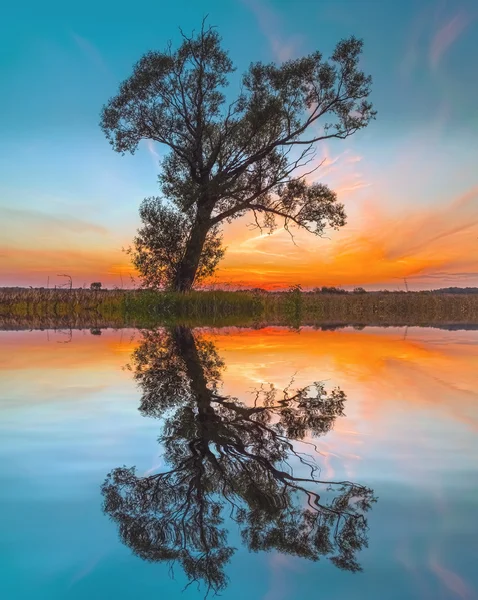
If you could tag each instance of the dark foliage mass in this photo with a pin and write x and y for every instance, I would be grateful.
(161, 241)
(456, 290)
(230, 459)
(249, 155)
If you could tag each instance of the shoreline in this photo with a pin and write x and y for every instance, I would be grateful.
(86, 309)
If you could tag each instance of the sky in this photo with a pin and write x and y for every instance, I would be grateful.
(69, 203)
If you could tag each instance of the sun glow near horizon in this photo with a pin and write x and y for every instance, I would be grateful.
(68, 204)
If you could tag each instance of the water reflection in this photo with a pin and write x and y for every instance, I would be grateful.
(231, 461)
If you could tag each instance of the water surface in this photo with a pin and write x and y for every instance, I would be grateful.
(269, 463)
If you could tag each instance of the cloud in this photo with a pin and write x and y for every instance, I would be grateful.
(11, 217)
(446, 36)
(154, 154)
(412, 50)
(91, 52)
(379, 247)
(34, 265)
(283, 47)
(35, 245)
(424, 42)
(340, 171)
(451, 580)
(279, 566)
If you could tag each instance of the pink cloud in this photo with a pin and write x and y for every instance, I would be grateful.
(269, 23)
(446, 36)
(451, 580)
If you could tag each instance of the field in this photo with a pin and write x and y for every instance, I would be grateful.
(115, 308)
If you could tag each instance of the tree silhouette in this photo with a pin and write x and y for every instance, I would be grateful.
(249, 156)
(161, 241)
(231, 459)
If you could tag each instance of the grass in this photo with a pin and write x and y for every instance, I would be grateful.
(117, 308)
(142, 308)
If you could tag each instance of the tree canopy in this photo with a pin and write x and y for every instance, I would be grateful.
(251, 154)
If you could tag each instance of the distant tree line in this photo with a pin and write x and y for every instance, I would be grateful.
(337, 290)
(456, 290)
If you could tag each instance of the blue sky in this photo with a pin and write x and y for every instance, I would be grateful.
(67, 201)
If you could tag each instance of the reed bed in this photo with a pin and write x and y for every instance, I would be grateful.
(142, 308)
(125, 305)
(414, 307)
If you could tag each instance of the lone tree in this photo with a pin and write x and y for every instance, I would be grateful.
(226, 158)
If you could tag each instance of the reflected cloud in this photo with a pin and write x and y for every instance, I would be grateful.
(451, 580)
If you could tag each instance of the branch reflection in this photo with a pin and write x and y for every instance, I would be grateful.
(231, 461)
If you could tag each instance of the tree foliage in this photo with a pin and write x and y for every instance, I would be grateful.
(226, 458)
(251, 154)
(160, 244)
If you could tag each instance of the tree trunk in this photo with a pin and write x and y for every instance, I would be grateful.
(189, 265)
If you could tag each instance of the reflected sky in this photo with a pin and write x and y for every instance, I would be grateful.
(69, 415)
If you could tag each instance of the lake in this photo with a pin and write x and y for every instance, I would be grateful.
(269, 463)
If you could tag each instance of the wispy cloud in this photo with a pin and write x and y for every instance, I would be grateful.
(91, 52)
(429, 42)
(384, 246)
(283, 47)
(446, 36)
(34, 265)
(154, 154)
(13, 217)
(451, 580)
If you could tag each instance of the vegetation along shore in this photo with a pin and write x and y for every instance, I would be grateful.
(142, 308)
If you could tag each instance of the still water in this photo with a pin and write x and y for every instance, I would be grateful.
(268, 464)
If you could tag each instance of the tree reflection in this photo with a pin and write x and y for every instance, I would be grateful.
(228, 459)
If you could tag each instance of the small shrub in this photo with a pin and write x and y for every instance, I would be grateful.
(332, 290)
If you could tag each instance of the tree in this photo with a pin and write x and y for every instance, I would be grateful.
(231, 459)
(332, 290)
(160, 245)
(225, 159)
(95, 286)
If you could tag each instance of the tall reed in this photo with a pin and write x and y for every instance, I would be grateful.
(295, 306)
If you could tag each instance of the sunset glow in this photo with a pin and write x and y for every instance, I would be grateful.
(68, 203)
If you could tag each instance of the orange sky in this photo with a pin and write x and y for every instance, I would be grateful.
(68, 203)
(378, 248)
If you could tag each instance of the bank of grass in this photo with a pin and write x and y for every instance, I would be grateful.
(387, 307)
(143, 308)
(140, 308)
